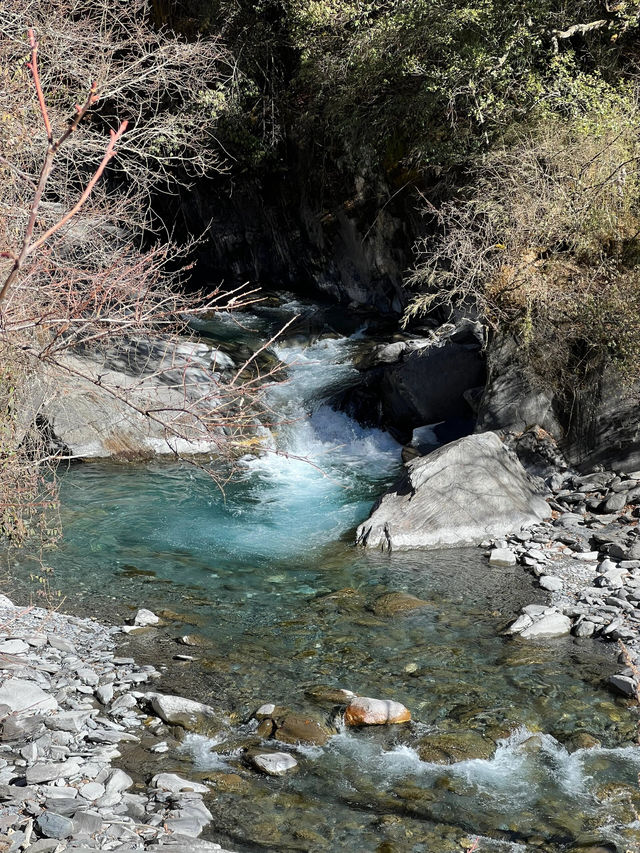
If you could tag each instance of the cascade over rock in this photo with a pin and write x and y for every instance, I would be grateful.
(412, 383)
(464, 492)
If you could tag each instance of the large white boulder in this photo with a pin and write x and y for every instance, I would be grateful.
(466, 491)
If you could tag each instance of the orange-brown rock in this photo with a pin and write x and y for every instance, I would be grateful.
(363, 711)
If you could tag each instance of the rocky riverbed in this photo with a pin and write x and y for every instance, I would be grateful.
(69, 708)
(588, 559)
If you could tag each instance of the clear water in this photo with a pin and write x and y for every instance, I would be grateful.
(266, 575)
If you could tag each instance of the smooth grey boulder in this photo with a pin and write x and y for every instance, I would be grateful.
(467, 491)
(93, 403)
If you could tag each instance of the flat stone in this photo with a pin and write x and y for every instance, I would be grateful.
(67, 721)
(274, 763)
(86, 823)
(21, 695)
(364, 711)
(14, 647)
(118, 781)
(551, 625)
(60, 643)
(92, 791)
(552, 583)
(44, 845)
(53, 825)
(175, 784)
(502, 557)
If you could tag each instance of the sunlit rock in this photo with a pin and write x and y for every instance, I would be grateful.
(363, 711)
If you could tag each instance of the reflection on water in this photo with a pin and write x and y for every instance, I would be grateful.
(281, 601)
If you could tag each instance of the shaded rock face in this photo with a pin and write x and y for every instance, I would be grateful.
(467, 491)
(601, 426)
(409, 384)
(351, 242)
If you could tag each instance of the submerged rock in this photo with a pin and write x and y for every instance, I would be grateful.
(451, 747)
(467, 491)
(295, 728)
(330, 695)
(394, 603)
(363, 711)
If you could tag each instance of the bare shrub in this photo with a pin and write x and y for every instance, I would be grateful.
(544, 242)
(75, 283)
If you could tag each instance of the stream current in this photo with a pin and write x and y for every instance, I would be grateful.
(540, 755)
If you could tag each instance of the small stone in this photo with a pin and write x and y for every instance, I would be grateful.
(175, 784)
(6, 603)
(265, 710)
(53, 825)
(552, 583)
(145, 617)
(584, 629)
(274, 763)
(92, 791)
(104, 693)
(364, 711)
(502, 557)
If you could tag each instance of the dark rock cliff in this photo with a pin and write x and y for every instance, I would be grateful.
(352, 244)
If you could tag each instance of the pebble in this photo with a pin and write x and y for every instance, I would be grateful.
(57, 740)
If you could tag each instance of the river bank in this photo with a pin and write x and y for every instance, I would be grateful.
(70, 706)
